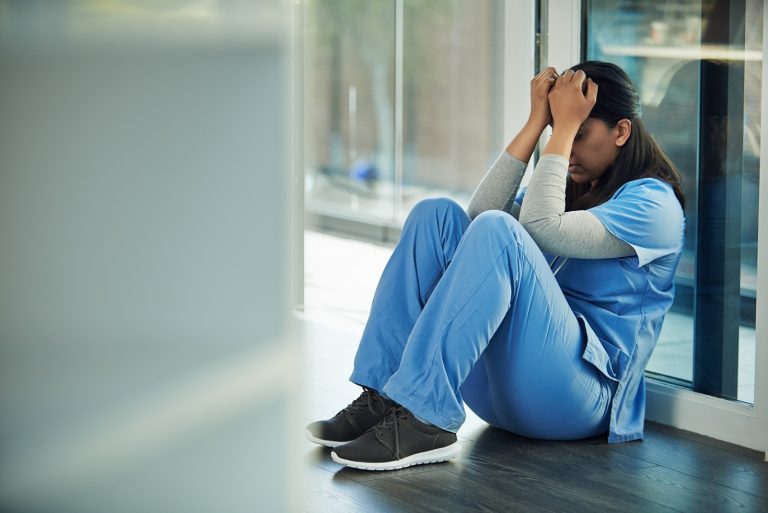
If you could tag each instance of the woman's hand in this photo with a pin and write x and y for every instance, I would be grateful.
(569, 105)
(540, 87)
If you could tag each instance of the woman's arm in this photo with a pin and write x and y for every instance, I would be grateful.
(577, 234)
(498, 188)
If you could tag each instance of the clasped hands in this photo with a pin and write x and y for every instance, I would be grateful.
(563, 100)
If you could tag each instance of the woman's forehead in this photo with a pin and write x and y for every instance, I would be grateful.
(594, 123)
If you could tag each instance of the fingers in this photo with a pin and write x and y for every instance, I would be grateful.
(577, 78)
(591, 91)
(564, 78)
(543, 71)
(547, 74)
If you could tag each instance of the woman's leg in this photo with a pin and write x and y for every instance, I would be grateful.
(498, 333)
(427, 243)
(561, 396)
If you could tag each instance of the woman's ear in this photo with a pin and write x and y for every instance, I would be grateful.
(624, 129)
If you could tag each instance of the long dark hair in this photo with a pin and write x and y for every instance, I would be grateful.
(639, 157)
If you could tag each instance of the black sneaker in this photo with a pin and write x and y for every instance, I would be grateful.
(398, 441)
(360, 415)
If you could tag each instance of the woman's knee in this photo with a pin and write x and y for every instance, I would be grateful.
(435, 203)
(497, 220)
(429, 207)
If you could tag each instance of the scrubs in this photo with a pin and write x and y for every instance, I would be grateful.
(470, 311)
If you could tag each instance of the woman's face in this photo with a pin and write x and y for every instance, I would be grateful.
(595, 147)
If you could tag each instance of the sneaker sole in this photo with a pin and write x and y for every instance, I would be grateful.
(434, 456)
(327, 443)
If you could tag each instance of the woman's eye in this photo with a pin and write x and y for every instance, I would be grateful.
(578, 136)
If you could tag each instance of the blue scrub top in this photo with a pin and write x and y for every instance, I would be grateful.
(621, 302)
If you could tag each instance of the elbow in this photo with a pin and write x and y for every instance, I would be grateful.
(529, 222)
(536, 223)
(528, 218)
(540, 231)
(532, 226)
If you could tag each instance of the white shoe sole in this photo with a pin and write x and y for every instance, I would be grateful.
(327, 443)
(434, 456)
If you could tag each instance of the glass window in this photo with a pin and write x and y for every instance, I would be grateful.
(442, 106)
(349, 147)
(453, 97)
(698, 68)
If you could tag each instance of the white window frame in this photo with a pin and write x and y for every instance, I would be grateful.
(731, 421)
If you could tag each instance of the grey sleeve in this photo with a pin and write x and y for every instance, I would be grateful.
(576, 234)
(498, 188)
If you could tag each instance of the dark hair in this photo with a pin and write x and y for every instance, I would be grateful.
(639, 157)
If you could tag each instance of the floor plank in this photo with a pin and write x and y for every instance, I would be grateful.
(677, 450)
(327, 493)
(677, 490)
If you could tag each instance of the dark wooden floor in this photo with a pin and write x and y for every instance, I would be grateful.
(671, 470)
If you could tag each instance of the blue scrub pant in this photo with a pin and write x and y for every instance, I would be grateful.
(492, 330)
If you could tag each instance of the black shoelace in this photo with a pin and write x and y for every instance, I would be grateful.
(372, 400)
(392, 422)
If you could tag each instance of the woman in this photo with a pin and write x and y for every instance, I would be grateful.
(547, 315)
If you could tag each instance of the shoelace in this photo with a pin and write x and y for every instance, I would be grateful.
(369, 398)
(376, 398)
(390, 422)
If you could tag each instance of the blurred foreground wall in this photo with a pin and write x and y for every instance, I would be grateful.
(146, 357)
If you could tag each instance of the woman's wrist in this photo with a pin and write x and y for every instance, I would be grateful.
(537, 122)
(569, 127)
(561, 141)
(525, 141)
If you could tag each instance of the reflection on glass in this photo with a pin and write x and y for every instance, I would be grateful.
(452, 112)
(450, 108)
(349, 146)
(698, 67)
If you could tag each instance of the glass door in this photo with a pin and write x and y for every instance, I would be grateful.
(697, 65)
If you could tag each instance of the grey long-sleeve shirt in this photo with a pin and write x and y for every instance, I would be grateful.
(576, 234)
